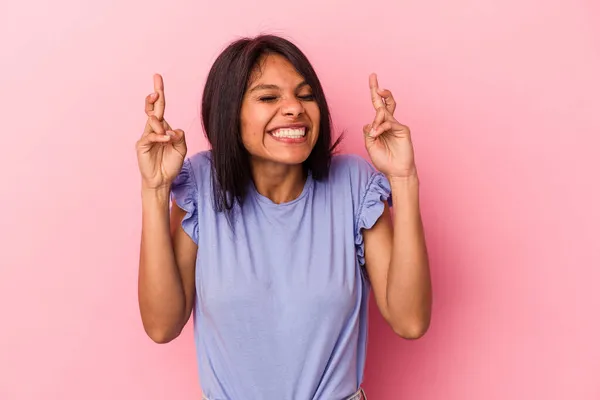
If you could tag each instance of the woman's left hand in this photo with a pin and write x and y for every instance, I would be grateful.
(388, 142)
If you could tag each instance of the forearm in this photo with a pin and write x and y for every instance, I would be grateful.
(160, 287)
(408, 285)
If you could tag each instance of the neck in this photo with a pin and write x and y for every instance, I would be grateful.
(280, 183)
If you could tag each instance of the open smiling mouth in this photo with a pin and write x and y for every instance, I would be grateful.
(289, 135)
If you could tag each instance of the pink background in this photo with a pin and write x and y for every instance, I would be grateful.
(502, 98)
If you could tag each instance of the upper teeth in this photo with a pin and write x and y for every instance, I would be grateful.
(290, 133)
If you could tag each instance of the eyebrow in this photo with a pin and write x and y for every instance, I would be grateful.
(266, 87)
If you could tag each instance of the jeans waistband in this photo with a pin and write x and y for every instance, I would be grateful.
(359, 395)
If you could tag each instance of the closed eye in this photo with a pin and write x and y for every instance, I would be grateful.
(268, 99)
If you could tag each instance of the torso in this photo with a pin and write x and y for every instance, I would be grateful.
(281, 299)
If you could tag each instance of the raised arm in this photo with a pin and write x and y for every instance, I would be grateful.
(166, 284)
(395, 249)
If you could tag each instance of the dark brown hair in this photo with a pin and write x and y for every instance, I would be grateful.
(226, 85)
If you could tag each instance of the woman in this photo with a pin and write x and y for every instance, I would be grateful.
(272, 241)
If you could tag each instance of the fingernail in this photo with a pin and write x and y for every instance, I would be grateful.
(372, 132)
(171, 133)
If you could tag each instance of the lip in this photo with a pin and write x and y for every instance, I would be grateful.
(290, 141)
(289, 126)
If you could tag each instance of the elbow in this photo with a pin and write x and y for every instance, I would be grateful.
(411, 330)
(161, 335)
(410, 323)
(162, 329)
(161, 338)
(411, 333)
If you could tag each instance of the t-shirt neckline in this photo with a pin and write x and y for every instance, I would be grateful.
(264, 199)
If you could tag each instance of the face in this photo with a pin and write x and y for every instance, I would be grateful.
(279, 116)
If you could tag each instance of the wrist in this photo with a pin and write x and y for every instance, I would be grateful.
(161, 194)
(405, 189)
(404, 180)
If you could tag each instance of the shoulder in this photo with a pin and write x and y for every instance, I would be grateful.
(354, 177)
(200, 161)
(196, 168)
(195, 172)
(351, 168)
(186, 189)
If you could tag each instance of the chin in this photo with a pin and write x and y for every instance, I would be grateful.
(288, 157)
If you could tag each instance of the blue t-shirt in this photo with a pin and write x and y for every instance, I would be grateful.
(281, 299)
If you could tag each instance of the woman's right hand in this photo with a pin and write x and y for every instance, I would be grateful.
(161, 150)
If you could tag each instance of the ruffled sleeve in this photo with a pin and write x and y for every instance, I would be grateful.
(184, 191)
(371, 207)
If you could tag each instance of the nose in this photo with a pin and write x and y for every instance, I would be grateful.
(291, 107)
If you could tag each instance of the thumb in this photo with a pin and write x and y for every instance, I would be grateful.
(367, 132)
(177, 139)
